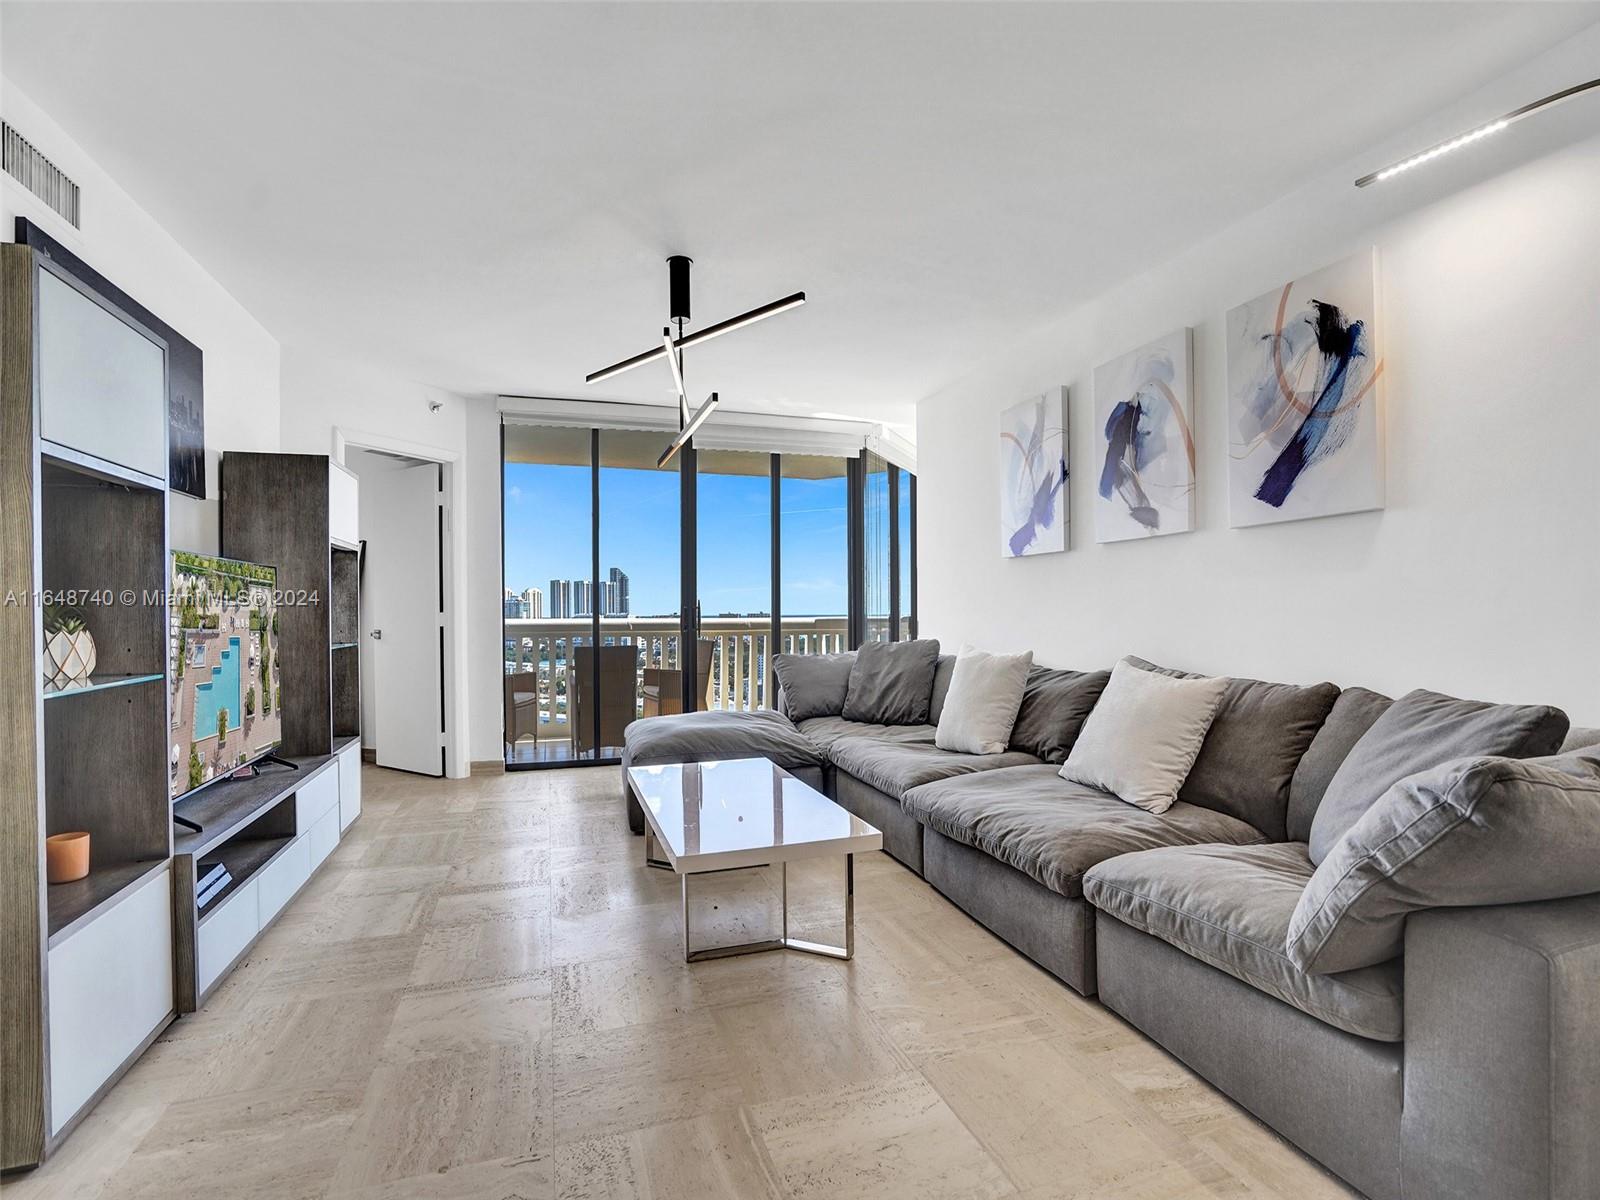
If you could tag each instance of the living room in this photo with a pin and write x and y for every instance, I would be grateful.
(574, 624)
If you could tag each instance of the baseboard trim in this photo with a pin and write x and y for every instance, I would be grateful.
(488, 766)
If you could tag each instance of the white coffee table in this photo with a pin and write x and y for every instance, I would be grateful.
(741, 813)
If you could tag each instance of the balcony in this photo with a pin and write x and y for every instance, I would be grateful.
(543, 691)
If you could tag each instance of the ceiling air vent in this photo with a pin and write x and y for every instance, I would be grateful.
(40, 176)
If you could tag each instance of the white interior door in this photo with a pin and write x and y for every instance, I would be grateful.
(401, 614)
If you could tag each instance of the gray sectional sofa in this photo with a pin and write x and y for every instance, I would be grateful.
(1467, 1065)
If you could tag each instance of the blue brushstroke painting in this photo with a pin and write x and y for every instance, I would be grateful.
(1042, 512)
(1033, 477)
(1341, 349)
(1132, 443)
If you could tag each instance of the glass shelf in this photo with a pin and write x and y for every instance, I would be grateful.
(99, 682)
(345, 645)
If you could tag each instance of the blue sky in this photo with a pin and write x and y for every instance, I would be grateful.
(547, 524)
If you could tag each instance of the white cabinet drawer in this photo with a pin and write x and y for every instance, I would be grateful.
(349, 784)
(316, 796)
(280, 879)
(344, 510)
(324, 839)
(110, 989)
(227, 931)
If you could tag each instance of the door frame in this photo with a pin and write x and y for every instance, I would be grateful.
(453, 566)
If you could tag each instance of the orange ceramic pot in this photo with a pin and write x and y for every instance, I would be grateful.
(66, 857)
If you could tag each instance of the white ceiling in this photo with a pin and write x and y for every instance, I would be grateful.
(481, 196)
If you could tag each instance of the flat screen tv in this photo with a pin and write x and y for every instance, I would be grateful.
(222, 667)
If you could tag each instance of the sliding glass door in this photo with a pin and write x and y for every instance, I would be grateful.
(814, 554)
(603, 549)
(636, 586)
(734, 567)
(547, 520)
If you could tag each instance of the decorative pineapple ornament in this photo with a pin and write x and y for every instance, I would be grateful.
(69, 653)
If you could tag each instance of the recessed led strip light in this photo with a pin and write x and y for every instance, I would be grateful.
(1475, 135)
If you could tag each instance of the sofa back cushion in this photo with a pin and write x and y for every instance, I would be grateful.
(891, 683)
(813, 685)
(944, 671)
(1351, 716)
(985, 692)
(1419, 731)
(1257, 738)
(1474, 831)
(1055, 705)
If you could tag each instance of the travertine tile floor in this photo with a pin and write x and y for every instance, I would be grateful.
(482, 995)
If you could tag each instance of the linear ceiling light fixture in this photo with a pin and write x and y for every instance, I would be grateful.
(672, 348)
(1476, 135)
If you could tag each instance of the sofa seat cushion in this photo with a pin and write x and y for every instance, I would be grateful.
(825, 731)
(894, 768)
(1053, 830)
(1229, 906)
(715, 736)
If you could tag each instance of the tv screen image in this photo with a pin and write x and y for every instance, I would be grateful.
(222, 667)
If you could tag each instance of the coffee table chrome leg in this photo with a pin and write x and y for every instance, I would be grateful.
(845, 952)
(652, 851)
(693, 956)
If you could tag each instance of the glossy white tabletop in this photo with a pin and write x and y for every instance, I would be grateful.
(742, 813)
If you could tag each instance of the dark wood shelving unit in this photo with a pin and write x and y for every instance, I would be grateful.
(344, 580)
(243, 858)
(81, 900)
(77, 527)
(226, 806)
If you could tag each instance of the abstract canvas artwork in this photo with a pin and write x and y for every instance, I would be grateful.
(1144, 447)
(1033, 475)
(1305, 420)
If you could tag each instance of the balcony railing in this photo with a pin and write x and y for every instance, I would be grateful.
(739, 677)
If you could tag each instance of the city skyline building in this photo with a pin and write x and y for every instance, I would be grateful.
(571, 598)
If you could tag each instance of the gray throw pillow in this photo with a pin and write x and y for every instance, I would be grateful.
(891, 683)
(1353, 714)
(1257, 738)
(1580, 739)
(813, 685)
(1473, 831)
(1420, 730)
(1055, 705)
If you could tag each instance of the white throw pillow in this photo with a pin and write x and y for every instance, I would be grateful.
(985, 694)
(1143, 735)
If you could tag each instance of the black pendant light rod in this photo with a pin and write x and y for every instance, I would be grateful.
(700, 335)
(688, 431)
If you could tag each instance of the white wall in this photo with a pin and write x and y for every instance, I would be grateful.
(330, 402)
(1482, 576)
(121, 241)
